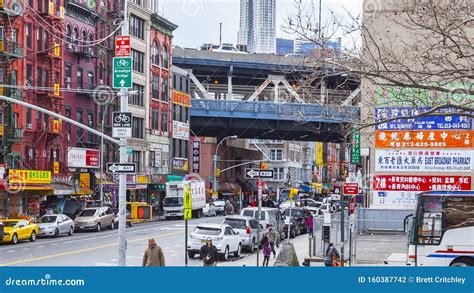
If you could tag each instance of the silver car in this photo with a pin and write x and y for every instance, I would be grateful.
(247, 227)
(55, 225)
(95, 218)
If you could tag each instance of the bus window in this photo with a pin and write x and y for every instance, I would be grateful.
(430, 224)
(458, 213)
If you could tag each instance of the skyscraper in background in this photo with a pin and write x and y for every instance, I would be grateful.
(257, 26)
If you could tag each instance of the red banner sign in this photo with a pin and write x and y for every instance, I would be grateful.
(122, 46)
(421, 183)
(351, 188)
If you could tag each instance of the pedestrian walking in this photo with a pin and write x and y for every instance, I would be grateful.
(209, 254)
(332, 256)
(267, 250)
(272, 238)
(153, 256)
(309, 225)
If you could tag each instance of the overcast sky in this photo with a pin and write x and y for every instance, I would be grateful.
(199, 20)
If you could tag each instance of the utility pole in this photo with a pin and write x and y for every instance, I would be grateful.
(122, 238)
(220, 33)
(259, 210)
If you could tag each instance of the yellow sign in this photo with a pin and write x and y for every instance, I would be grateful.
(84, 180)
(1, 130)
(29, 176)
(57, 51)
(51, 9)
(142, 179)
(1, 46)
(56, 168)
(1, 3)
(61, 12)
(319, 154)
(56, 126)
(188, 201)
(293, 192)
(56, 89)
(188, 214)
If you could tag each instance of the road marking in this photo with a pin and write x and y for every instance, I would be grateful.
(25, 249)
(41, 246)
(80, 250)
(11, 251)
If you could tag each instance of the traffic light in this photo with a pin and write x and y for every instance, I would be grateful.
(263, 166)
(293, 192)
(218, 173)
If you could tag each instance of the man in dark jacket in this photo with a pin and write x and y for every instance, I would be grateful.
(209, 254)
(153, 256)
(332, 255)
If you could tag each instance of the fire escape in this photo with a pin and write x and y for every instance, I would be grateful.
(10, 50)
(50, 137)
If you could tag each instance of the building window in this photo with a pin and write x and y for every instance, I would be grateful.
(39, 43)
(137, 27)
(137, 127)
(164, 90)
(68, 125)
(164, 121)
(28, 118)
(137, 99)
(46, 77)
(155, 54)
(40, 77)
(90, 123)
(152, 160)
(278, 173)
(155, 119)
(137, 159)
(79, 119)
(80, 80)
(138, 59)
(28, 35)
(276, 154)
(138, 2)
(165, 57)
(29, 74)
(155, 87)
(90, 80)
(67, 75)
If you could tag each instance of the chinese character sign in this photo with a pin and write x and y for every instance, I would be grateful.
(424, 139)
(421, 183)
(395, 199)
(424, 160)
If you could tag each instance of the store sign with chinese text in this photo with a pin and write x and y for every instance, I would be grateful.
(424, 160)
(180, 130)
(449, 121)
(421, 183)
(424, 139)
(395, 199)
(142, 179)
(182, 99)
(196, 156)
(29, 176)
(83, 158)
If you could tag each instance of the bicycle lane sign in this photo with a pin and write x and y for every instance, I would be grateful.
(122, 124)
(122, 72)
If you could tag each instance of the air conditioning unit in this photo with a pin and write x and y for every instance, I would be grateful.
(29, 126)
(68, 79)
(101, 81)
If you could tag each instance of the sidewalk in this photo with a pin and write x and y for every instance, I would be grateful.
(301, 247)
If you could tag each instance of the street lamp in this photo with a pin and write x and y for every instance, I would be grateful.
(214, 184)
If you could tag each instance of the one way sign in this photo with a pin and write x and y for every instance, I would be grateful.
(257, 173)
(118, 168)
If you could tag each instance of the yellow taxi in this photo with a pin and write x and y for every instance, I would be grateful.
(17, 230)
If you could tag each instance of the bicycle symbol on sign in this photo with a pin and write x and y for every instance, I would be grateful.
(122, 118)
(123, 63)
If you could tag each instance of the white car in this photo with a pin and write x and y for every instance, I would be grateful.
(327, 208)
(220, 206)
(309, 202)
(224, 238)
(209, 210)
(247, 228)
(226, 49)
(55, 225)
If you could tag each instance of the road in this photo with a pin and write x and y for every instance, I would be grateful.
(101, 248)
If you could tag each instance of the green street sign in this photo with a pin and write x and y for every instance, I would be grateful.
(122, 72)
(355, 150)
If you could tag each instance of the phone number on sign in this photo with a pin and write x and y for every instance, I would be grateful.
(383, 279)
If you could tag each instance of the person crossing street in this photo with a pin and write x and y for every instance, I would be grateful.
(272, 238)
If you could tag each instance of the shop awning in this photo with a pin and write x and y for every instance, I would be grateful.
(30, 187)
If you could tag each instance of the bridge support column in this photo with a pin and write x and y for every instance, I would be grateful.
(229, 84)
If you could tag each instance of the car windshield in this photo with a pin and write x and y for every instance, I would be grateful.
(207, 231)
(173, 201)
(219, 203)
(88, 213)
(250, 213)
(216, 47)
(294, 213)
(47, 219)
(236, 223)
(10, 223)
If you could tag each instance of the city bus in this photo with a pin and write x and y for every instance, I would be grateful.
(442, 229)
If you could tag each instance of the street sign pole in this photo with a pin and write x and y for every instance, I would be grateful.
(122, 238)
(187, 214)
(259, 200)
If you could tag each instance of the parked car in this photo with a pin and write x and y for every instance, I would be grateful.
(268, 216)
(247, 227)
(226, 49)
(95, 218)
(17, 230)
(327, 208)
(294, 227)
(2, 231)
(55, 225)
(220, 206)
(128, 218)
(300, 215)
(209, 210)
(309, 202)
(224, 238)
